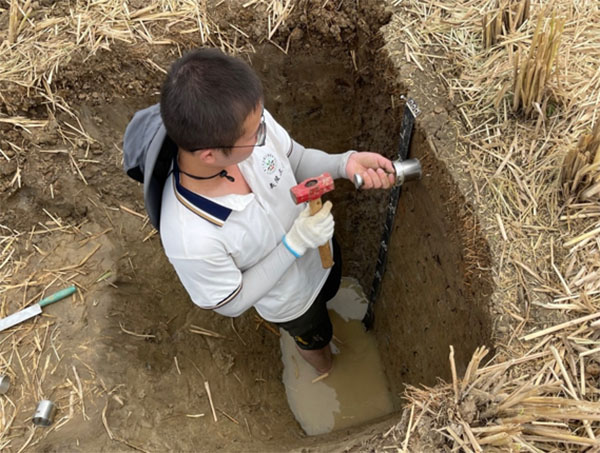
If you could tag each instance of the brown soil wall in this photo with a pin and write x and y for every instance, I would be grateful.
(437, 284)
(436, 289)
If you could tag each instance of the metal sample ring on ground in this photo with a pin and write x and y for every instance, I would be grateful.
(4, 384)
(44, 414)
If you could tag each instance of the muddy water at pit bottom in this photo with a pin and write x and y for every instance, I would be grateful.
(356, 389)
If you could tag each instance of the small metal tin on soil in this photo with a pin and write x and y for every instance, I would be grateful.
(44, 414)
(4, 384)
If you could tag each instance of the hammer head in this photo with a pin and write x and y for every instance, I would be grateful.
(312, 188)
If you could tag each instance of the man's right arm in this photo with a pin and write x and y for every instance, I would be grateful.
(258, 281)
(213, 281)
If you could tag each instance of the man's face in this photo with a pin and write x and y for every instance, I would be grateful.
(243, 147)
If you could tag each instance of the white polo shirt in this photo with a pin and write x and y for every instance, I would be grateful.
(211, 241)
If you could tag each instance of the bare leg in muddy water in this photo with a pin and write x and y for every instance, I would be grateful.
(320, 359)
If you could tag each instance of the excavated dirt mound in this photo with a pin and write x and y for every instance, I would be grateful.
(129, 335)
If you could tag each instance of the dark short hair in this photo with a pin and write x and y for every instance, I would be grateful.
(206, 98)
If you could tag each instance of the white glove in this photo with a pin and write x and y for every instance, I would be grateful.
(309, 232)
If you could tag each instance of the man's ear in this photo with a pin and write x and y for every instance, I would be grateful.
(206, 156)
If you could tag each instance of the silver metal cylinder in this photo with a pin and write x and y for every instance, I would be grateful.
(44, 414)
(406, 170)
(4, 384)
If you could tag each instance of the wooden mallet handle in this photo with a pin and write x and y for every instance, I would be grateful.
(324, 250)
(311, 190)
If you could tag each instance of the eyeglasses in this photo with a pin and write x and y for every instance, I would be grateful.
(261, 138)
(261, 133)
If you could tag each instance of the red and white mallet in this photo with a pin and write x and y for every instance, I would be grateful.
(311, 190)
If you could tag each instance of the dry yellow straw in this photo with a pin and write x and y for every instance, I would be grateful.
(533, 72)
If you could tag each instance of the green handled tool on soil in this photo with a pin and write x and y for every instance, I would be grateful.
(35, 309)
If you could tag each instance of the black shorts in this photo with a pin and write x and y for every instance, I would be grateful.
(313, 330)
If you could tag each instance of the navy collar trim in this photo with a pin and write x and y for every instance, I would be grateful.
(209, 210)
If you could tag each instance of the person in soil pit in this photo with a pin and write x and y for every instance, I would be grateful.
(227, 222)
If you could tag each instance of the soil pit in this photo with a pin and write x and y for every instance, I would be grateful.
(436, 289)
(142, 337)
(432, 295)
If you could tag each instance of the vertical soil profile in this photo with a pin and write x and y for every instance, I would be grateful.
(436, 289)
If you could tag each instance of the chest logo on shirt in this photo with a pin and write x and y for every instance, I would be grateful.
(269, 164)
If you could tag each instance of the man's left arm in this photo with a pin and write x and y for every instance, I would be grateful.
(376, 171)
